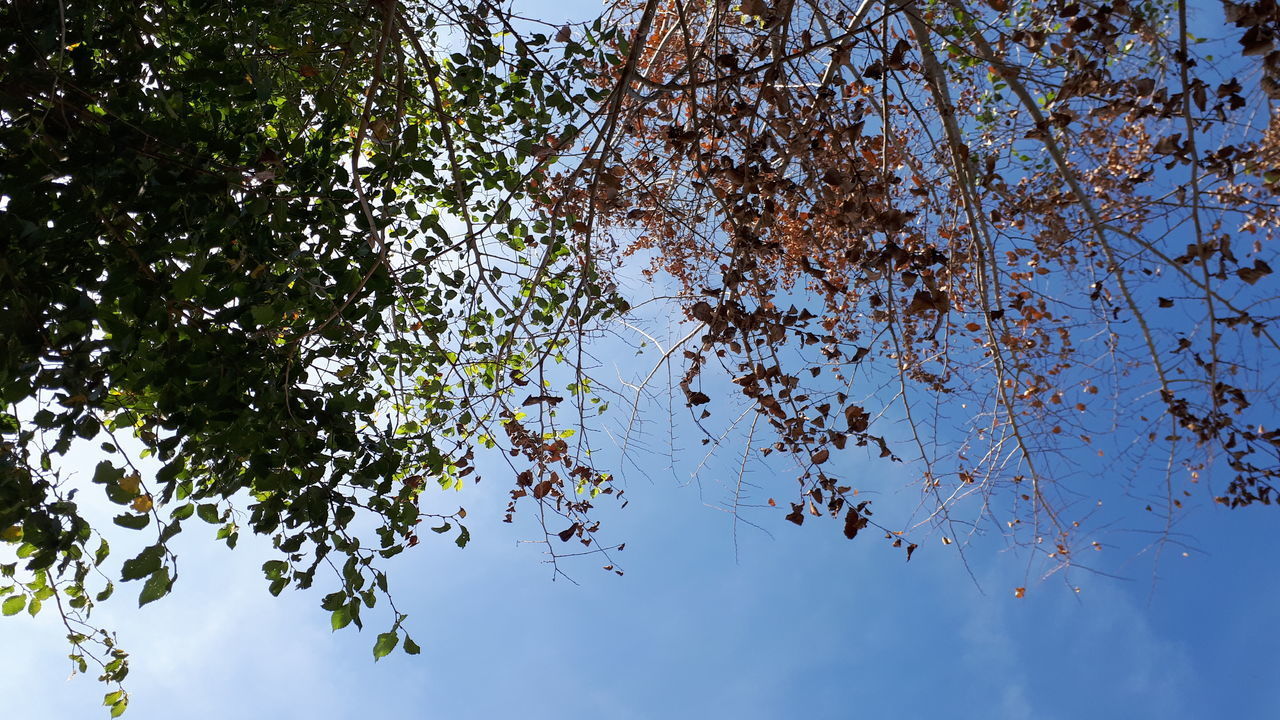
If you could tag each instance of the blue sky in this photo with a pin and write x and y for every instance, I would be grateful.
(803, 624)
(799, 624)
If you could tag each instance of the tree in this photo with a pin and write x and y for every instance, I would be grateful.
(306, 259)
(279, 252)
(1029, 242)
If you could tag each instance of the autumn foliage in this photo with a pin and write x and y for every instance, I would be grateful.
(1024, 247)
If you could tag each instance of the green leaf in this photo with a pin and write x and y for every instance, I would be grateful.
(14, 605)
(277, 586)
(263, 314)
(411, 647)
(103, 551)
(157, 586)
(385, 644)
(274, 568)
(118, 709)
(131, 521)
(105, 473)
(145, 563)
(208, 512)
(340, 618)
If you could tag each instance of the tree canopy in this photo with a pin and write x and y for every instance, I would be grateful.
(1022, 245)
(280, 249)
(291, 266)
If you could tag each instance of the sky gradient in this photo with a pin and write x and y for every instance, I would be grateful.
(803, 624)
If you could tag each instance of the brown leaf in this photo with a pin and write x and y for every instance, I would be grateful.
(821, 456)
(853, 522)
(797, 513)
(541, 489)
(898, 56)
(565, 34)
(1256, 41)
(857, 418)
(922, 301)
(536, 399)
(1252, 275)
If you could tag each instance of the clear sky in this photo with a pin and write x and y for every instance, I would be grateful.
(800, 624)
(805, 624)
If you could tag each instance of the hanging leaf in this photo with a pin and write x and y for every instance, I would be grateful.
(385, 644)
(156, 587)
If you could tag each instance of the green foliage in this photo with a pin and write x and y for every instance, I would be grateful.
(281, 248)
(385, 644)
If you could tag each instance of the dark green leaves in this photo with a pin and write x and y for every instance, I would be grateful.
(106, 473)
(208, 512)
(145, 563)
(156, 587)
(132, 521)
(191, 262)
(276, 571)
